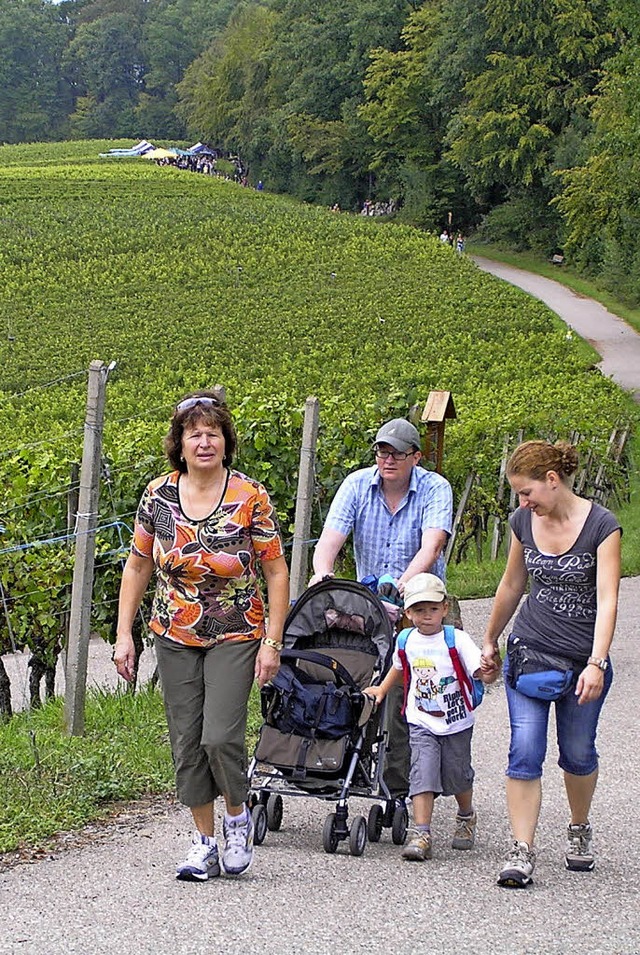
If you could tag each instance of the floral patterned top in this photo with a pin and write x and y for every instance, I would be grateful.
(206, 585)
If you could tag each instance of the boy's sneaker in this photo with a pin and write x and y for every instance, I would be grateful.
(237, 854)
(518, 868)
(464, 834)
(579, 856)
(202, 861)
(419, 846)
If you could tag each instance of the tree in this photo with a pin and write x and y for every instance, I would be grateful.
(104, 59)
(174, 34)
(223, 94)
(601, 196)
(35, 97)
(411, 94)
(542, 69)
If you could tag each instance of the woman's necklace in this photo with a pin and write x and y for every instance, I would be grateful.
(209, 498)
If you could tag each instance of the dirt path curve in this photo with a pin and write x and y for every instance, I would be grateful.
(613, 339)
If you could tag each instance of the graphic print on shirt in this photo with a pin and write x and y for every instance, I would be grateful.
(427, 691)
(206, 583)
(552, 575)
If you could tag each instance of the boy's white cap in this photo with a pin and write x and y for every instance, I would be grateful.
(424, 587)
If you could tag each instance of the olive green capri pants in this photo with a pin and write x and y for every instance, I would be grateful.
(205, 699)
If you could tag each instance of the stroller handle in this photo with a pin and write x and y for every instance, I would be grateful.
(343, 677)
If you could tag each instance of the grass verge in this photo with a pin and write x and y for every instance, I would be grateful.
(51, 782)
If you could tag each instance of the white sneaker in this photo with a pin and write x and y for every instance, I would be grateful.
(518, 868)
(237, 854)
(202, 861)
(579, 855)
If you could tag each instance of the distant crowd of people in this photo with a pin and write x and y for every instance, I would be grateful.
(206, 163)
(370, 208)
(457, 241)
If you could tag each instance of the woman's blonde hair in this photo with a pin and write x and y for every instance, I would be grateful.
(534, 459)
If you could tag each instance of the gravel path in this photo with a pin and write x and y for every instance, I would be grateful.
(114, 890)
(617, 343)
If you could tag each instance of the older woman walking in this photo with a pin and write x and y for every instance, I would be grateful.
(204, 528)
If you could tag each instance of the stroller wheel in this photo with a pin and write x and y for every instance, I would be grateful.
(399, 825)
(274, 812)
(358, 836)
(329, 835)
(374, 823)
(259, 817)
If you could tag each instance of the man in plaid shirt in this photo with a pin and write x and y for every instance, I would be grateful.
(400, 517)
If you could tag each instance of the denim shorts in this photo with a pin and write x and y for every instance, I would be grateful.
(576, 727)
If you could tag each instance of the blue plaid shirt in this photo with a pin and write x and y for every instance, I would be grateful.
(386, 543)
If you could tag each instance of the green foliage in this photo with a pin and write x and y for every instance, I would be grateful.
(50, 781)
(187, 281)
(542, 68)
(36, 98)
(523, 222)
(600, 196)
(95, 68)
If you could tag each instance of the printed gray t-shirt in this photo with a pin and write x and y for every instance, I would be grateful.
(560, 611)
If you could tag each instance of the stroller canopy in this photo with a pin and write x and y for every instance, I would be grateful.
(341, 607)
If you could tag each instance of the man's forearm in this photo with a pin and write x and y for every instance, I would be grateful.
(326, 551)
(425, 557)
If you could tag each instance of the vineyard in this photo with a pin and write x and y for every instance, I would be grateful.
(188, 281)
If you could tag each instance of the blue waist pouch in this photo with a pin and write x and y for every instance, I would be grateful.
(538, 674)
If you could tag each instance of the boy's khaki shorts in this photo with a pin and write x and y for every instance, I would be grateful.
(440, 764)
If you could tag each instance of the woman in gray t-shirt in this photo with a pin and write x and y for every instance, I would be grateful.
(569, 549)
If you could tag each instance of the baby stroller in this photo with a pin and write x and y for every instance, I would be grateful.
(321, 736)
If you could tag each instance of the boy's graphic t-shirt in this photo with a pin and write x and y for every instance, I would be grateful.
(435, 700)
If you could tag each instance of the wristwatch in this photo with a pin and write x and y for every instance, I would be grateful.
(598, 662)
(274, 644)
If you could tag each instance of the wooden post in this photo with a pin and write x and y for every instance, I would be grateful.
(497, 522)
(72, 510)
(512, 499)
(471, 478)
(600, 491)
(86, 522)
(304, 499)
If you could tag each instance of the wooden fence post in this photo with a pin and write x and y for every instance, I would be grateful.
(512, 499)
(85, 531)
(304, 499)
(497, 521)
(471, 479)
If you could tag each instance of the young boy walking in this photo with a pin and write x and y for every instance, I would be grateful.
(440, 724)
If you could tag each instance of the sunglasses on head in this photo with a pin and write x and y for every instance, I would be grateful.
(197, 400)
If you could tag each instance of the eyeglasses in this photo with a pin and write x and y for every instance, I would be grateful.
(197, 400)
(396, 455)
